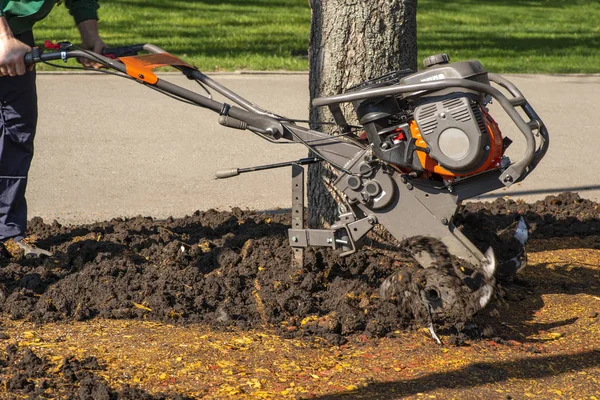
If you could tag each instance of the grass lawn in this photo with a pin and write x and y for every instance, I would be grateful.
(211, 34)
(548, 36)
(525, 36)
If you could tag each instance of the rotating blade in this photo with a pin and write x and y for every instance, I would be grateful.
(508, 269)
(488, 268)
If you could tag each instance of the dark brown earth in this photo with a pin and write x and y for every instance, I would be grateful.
(234, 271)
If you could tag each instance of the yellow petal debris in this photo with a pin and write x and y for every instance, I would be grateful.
(141, 306)
(29, 335)
(553, 336)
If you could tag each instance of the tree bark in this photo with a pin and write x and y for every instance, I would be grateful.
(352, 41)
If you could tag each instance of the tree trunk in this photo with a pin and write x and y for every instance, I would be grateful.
(352, 41)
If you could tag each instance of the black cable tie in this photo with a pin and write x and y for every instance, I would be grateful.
(225, 109)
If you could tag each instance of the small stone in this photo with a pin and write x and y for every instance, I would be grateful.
(593, 314)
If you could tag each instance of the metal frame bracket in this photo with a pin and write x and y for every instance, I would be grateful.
(343, 235)
(297, 211)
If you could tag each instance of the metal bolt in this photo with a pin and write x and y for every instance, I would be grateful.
(365, 168)
(354, 182)
(371, 220)
(141, 76)
(294, 239)
(409, 186)
(445, 221)
(329, 240)
(487, 148)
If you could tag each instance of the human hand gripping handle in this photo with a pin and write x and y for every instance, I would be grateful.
(12, 52)
(90, 40)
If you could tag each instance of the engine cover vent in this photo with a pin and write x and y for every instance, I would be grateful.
(452, 103)
(454, 130)
(428, 127)
(427, 111)
(479, 117)
(461, 114)
(427, 115)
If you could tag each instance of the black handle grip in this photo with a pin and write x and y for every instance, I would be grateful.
(34, 56)
(28, 59)
(232, 122)
(265, 124)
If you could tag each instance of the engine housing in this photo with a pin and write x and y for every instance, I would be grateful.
(447, 132)
(455, 132)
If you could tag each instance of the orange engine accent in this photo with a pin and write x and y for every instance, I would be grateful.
(491, 162)
(141, 67)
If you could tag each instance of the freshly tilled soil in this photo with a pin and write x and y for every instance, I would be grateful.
(235, 269)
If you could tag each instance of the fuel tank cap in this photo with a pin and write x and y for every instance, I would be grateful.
(436, 59)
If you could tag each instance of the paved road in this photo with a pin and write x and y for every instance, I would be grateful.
(109, 148)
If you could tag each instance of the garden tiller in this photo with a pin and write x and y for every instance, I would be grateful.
(424, 143)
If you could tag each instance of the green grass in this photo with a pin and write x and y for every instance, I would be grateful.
(211, 34)
(521, 36)
(524, 36)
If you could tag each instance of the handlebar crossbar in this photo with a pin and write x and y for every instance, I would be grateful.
(140, 68)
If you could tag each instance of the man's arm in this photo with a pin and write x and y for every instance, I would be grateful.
(90, 40)
(85, 13)
(83, 10)
(12, 51)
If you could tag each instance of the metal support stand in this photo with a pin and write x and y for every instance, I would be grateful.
(298, 210)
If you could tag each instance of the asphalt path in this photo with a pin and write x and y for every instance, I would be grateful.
(108, 148)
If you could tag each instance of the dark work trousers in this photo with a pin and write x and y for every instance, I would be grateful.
(18, 120)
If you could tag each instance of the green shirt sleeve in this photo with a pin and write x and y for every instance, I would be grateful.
(83, 10)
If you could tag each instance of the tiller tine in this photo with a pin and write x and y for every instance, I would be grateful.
(488, 269)
(508, 269)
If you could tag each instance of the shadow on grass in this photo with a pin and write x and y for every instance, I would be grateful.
(212, 41)
(160, 5)
(476, 375)
(539, 43)
(513, 35)
(461, 4)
